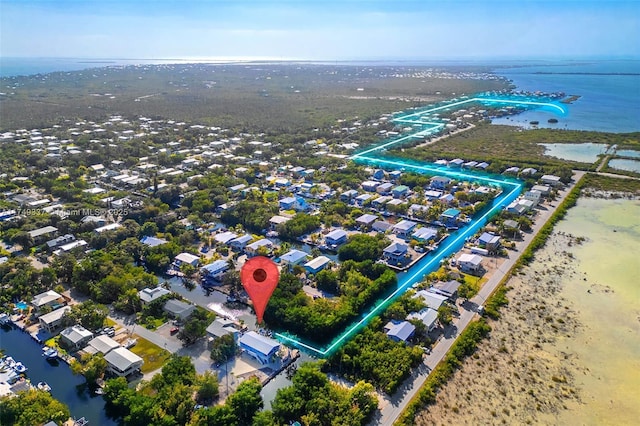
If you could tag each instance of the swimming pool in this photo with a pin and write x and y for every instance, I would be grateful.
(22, 306)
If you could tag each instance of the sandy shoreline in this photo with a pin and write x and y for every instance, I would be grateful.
(566, 348)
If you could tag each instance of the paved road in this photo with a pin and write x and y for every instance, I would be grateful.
(155, 338)
(393, 406)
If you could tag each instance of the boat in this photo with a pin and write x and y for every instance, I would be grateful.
(49, 353)
(19, 367)
(43, 386)
(552, 120)
(80, 422)
(4, 319)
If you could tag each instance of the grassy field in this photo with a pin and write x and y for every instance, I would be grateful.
(594, 182)
(154, 356)
(505, 144)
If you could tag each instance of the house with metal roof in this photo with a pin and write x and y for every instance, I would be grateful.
(178, 309)
(293, 257)
(399, 331)
(48, 298)
(51, 321)
(188, 258)
(240, 242)
(215, 270)
(221, 327)
(431, 300)
(252, 249)
(424, 234)
(404, 227)
(101, 344)
(148, 295)
(316, 265)
(428, 316)
(336, 237)
(489, 241)
(122, 362)
(262, 348)
(75, 337)
(469, 262)
(366, 219)
(396, 253)
(152, 241)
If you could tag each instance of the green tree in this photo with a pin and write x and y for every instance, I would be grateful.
(445, 314)
(207, 388)
(32, 408)
(223, 348)
(246, 400)
(195, 326)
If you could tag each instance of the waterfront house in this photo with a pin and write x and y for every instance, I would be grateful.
(379, 202)
(187, 258)
(424, 234)
(432, 194)
(148, 295)
(399, 331)
(75, 338)
(544, 190)
(395, 253)
(122, 362)
(515, 208)
(49, 298)
(378, 174)
(277, 220)
(457, 162)
(533, 196)
(316, 265)
(178, 309)
(252, 249)
(336, 237)
(101, 344)
(428, 316)
(262, 348)
(469, 263)
(215, 270)
(404, 228)
(450, 217)
(292, 258)
(51, 321)
(287, 203)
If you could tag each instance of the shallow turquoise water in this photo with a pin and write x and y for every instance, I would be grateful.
(622, 164)
(582, 152)
(628, 153)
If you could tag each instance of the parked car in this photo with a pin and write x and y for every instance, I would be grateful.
(174, 330)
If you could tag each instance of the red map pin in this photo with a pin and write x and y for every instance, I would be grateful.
(259, 277)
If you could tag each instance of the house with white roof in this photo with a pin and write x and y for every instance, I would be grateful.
(51, 321)
(399, 331)
(404, 227)
(469, 263)
(48, 298)
(122, 362)
(101, 344)
(188, 258)
(293, 257)
(317, 264)
(262, 348)
(148, 295)
(428, 316)
(75, 337)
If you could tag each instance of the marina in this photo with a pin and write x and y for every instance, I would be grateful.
(50, 373)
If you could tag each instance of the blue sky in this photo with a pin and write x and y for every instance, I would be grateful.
(299, 29)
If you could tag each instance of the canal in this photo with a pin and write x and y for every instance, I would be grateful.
(65, 387)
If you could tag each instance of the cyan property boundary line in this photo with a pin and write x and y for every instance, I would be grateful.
(511, 188)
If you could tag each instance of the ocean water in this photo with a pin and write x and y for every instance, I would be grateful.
(609, 90)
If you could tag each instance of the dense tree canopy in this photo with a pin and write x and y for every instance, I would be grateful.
(32, 408)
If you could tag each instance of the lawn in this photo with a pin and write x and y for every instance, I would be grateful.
(54, 343)
(154, 356)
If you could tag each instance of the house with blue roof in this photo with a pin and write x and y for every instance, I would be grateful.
(440, 182)
(395, 175)
(262, 348)
(287, 203)
(489, 241)
(378, 174)
(241, 242)
(292, 258)
(450, 217)
(336, 237)
(215, 270)
(399, 331)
